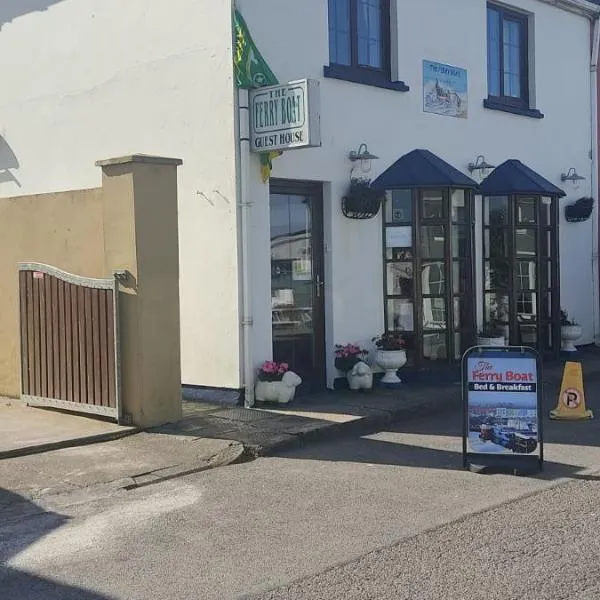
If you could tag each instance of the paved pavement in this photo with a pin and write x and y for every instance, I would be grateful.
(249, 528)
(26, 430)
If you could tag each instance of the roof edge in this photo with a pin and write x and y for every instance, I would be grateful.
(580, 7)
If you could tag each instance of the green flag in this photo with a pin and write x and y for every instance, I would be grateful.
(251, 70)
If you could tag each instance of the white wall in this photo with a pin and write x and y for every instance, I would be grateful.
(293, 38)
(86, 80)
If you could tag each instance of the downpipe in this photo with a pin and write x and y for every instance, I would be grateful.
(595, 28)
(245, 206)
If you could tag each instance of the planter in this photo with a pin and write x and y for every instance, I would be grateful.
(280, 392)
(360, 377)
(491, 341)
(390, 361)
(569, 334)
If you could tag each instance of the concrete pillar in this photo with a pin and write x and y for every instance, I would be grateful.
(141, 237)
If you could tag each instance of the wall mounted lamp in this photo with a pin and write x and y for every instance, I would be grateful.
(480, 165)
(571, 175)
(364, 156)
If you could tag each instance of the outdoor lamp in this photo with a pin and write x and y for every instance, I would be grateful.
(480, 165)
(364, 156)
(571, 175)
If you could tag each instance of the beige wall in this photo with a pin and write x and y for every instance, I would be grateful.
(128, 224)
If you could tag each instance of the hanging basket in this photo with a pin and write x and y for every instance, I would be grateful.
(579, 211)
(361, 201)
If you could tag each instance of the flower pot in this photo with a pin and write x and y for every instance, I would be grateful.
(280, 392)
(390, 361)
(569, 334)
(360, 377)
(491, 341)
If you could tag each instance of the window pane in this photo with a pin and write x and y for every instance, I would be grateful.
(512, 58)
(459, 210)
(525, 275)
(526, 306)
(497, 274)
(399, 253)
(460, 276)
(493, 51)
(546, 211)
(458, 348)
(459, 241)
(339, 32)
(400, 315)
(434, 346)
(369, 27)
(528, 334)
(525, 242)
(496, 308)
(432, 205)
(526, 210)
(400, 279)
(433, 240)
(496, 210)
(434, 313)
(495, 242)
(433, 279)
(398, 207)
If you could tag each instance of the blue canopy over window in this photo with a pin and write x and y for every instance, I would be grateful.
(419, 169)
(513, 177)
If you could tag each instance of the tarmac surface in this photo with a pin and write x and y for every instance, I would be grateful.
(388, 505)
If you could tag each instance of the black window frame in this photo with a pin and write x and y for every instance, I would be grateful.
(366, 74)
(520, 105)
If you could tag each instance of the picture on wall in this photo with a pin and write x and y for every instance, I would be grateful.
(445, 90)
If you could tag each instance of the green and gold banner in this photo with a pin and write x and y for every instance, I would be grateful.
(251, 71)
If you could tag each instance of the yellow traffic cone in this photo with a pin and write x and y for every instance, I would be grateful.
(571, 401)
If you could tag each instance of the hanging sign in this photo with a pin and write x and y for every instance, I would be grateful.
(502, 424)
(284, 117)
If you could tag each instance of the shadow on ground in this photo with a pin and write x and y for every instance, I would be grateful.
(418, 444)
(23, 523)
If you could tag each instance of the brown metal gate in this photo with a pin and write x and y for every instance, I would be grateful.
(69, 341)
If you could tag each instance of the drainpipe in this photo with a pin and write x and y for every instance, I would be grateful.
(595, 132)
(245, 206)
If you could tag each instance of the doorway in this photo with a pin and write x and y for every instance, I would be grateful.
(521, 293)
(297, 284)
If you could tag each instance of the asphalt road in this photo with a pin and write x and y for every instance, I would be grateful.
(544, 547)
(395, 508)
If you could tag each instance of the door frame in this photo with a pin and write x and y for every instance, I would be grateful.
(313, 189)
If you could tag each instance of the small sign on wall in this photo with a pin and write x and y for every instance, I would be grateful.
(445, 90)
(283, 117)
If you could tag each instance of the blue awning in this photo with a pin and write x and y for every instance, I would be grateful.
(513, 177)
(422, 168)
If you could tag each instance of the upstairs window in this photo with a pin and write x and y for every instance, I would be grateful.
(508, 56)
(359, 33)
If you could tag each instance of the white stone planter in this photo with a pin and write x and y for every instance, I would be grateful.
(568, 335)
(360, 377)
(390, 361)
(280, 392)
(493, 341)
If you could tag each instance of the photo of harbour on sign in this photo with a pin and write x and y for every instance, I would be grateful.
(502, 405)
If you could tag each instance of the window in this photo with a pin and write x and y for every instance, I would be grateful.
(359, 42)
(508, 61)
